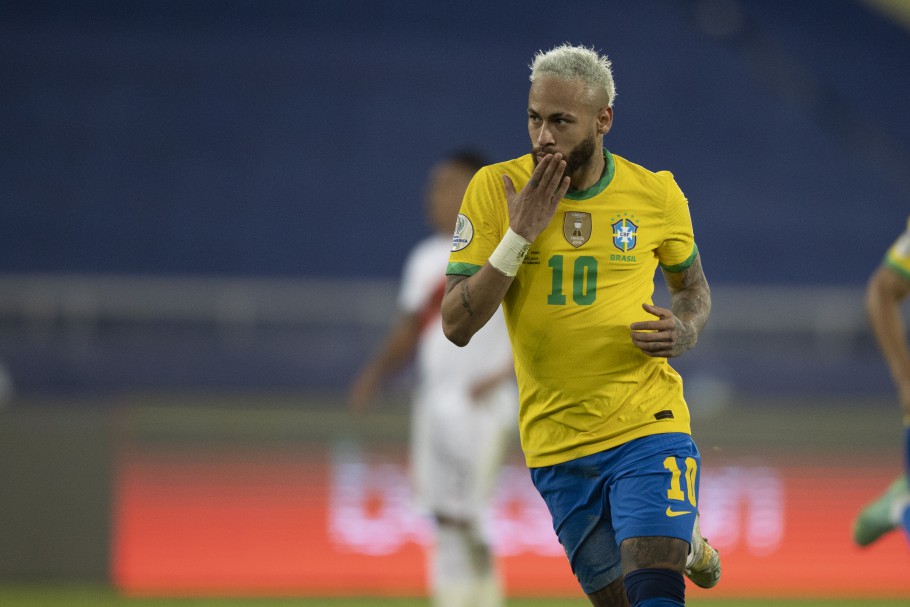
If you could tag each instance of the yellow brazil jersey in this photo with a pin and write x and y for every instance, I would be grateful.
(584, 386)
(898, 256)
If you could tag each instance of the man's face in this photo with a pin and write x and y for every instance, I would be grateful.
(562, 118)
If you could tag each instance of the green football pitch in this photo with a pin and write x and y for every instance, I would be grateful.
(85, 596)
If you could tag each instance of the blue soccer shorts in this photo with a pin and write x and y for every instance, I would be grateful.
(644, 488)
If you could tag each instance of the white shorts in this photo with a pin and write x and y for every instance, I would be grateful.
(457, 449)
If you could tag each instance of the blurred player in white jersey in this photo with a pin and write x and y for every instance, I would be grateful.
(465, 403)
(888, 287)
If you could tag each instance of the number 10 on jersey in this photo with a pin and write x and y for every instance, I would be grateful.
(584, 280)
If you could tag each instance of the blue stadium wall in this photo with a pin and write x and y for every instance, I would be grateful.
(292, 138)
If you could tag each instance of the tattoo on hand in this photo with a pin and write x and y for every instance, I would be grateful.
(687, 337)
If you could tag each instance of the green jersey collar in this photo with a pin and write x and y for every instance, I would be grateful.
(601, 185)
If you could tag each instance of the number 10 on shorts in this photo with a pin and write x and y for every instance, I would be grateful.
(675, 491)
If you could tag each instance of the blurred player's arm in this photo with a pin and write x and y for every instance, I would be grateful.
(470, 301)
(396, 352)
(677, 329)
(493, 380)
(885, 291)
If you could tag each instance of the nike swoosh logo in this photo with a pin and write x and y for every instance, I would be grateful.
(671, 513)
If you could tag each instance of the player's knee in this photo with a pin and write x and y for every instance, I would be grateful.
(654, 553)
(655, 587)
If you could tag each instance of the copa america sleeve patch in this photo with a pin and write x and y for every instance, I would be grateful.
(464, 233)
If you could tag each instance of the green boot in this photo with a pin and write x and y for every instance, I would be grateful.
(878, 517)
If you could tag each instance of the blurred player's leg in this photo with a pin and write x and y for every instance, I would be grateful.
(466, 453)
(488, 591)
(451, 582)
(464, 573)
(904, 519)
(890, 510)
(882, 515)
(703, 563)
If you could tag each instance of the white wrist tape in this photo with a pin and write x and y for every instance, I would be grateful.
(510, 253)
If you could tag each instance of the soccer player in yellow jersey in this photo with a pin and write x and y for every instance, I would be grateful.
(568, 239)
(888, 287)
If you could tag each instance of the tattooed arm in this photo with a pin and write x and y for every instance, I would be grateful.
(470, 302)
(677, 329)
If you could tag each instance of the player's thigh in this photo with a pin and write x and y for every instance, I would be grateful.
(575, 494)
(655, 494)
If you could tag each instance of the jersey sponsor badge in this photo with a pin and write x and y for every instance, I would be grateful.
(576, 227)
(625, 234)
(464, 233)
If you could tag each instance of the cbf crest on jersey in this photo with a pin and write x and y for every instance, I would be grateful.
(464, 233)
(576, 227)
(625, 234)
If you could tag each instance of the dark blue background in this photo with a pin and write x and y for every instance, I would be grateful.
(293, 138)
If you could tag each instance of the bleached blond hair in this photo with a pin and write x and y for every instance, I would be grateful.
(576, 63)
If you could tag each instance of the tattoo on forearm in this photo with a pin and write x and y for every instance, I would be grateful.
(690, 299)
(691, 310)
(466, 299)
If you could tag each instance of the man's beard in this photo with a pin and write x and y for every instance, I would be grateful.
(575, 159)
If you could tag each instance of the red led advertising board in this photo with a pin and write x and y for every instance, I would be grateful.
(340, 522)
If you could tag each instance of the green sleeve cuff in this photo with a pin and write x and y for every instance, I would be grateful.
(462, 269)
(685, 264)
(897, 268)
